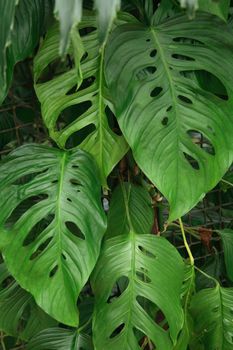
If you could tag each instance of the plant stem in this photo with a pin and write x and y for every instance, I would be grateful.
(206, 275)
(186, 243)
(2, 341)
(189, 230)
(227, 182)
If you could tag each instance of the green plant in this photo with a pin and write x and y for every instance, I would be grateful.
(138, 105)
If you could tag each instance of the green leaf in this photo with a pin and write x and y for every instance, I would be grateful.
(227, 240)
(69, 14)
(150, 75)
(60, 339)
(150, 272)
(187, 291)
(219, 8)
(89, 105)
(21, 26)
(139, 203)
(19, 315)
(212, 312)
(107, 12)
(49, 237)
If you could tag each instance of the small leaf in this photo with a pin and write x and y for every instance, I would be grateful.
(51, 224)
(20, 29)
(69, 14)
(227, 240)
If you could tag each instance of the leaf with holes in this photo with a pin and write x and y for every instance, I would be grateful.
(19, 314)
(227, 240)
(49, 237)
(79, 115)
(19, 33)
(165, 115)
(212, 310)
(148, 272)
(60, 339)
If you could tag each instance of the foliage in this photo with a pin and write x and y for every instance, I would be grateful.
(137, 100)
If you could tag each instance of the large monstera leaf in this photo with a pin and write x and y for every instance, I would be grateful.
(20, 29)
(86, 98)
(19, 314)
(49, 237)
(162, 108)
(212, 312)
(148, 271)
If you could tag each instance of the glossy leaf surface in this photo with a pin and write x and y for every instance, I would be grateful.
(162, 109)
(152, 271)
(19, 314)
(49, 239)
(87, 102)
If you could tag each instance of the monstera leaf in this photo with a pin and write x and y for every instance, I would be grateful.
(148, 272)
(87, 101)
(19, 314)
(212, 312)
(49, 237)
(60, 339)
(21, 26)
(162, 109)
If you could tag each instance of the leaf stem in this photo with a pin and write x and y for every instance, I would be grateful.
(227, 182)
(189, 230)
(191, 258)
(206, 275)
(2, 341)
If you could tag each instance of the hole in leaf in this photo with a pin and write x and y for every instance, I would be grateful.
(72, 113)
(41, 248)
(56, 68)
(72, 90)
(75, 166)
(164, 121)
(118, 288)
(211, 83)
(86, 30)
(87, 82)
(75, 182)
(153, 53)
(117, 331)
(182, 57)
(22, 208)
(63, 256)
(188, 41)
(144, 73)
(143, 341)
(185, 99)
(79, 136)
(37, 229)
(156, 91)
(27, 178)
(193, 162)
(146, 252)
(148, 40)
(75, 230)
(169, 108)
(84, 57)
(54, 181)
(153, 311)
(53, 271)
(142, 276)
(6, 282)
(69, 200)
(112, 121)
(200, 140)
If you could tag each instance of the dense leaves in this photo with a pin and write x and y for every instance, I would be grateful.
(150, 73)
(20, 31)
(49, 240)
(19, 314)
